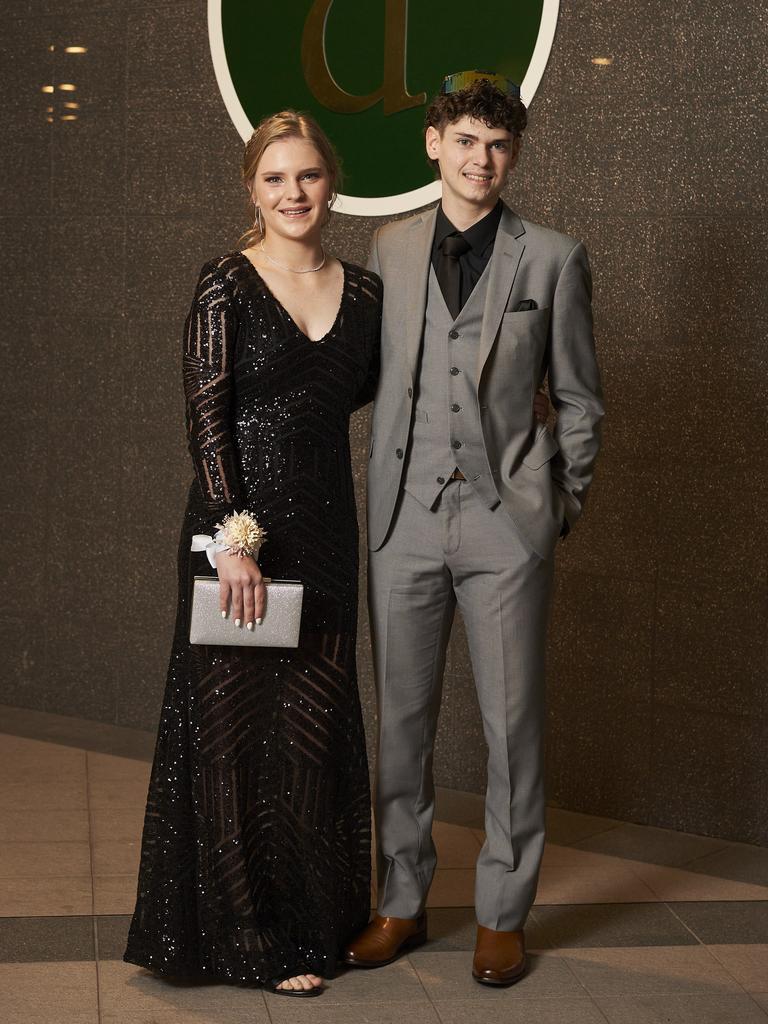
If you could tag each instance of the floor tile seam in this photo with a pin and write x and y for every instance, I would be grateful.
(629, 996)
(671, 904)
(575, 844)
(39, 842)
(429, 999)
(763, 1009)
(558, 952)
(565, 951)
(37, 877)
(657, 897)
(264, 1003)
(608, 903)
(727, 845)
(465, 906)
(91, 843)
(730, 974)
(62, 738)
(599, 1009)
(41, 917)
(630, 993)
(562, 953)
(97, 960)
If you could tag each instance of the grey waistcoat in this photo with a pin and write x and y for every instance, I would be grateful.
(446, 431)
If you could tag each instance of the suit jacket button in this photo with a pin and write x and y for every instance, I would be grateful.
(441, 479)
(453, 335)
(455, 408)
(399, 453)
(454, 370)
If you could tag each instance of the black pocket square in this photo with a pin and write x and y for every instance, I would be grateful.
(525, 305)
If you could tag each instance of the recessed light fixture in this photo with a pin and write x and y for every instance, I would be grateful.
(47, 88)
(67, 87)
(75, 49)
(602, 62)
(71, 105)
(49, 110)
(69, 117)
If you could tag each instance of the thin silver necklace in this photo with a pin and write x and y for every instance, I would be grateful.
(293, 270)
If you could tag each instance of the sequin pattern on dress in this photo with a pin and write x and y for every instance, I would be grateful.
(255, 861)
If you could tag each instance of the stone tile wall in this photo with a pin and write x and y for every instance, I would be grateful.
(657, 691)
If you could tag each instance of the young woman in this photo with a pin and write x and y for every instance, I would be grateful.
(255, 864)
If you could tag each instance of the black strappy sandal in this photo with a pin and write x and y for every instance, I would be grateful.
(301, 993)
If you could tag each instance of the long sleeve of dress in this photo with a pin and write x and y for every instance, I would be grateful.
(208, 354)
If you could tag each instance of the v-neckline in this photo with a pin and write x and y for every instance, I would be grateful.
(279, 304)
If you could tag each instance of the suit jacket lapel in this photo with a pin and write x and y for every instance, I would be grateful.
(414, 292)
(508, 250)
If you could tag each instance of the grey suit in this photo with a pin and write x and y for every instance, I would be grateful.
(460, 394)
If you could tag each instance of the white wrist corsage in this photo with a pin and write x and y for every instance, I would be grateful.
(239, 535)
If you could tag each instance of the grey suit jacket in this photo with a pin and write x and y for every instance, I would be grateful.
(542, 479)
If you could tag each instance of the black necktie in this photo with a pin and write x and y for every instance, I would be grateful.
(449, 272)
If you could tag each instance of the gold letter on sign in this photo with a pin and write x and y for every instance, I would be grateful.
(324, 86)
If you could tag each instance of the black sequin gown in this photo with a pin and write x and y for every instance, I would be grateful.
(255, 861)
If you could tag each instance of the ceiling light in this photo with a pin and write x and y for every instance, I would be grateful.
(66, 87)
(69, 117)
(602, 62)
(47, 88)
(75, 49)
(71, 105)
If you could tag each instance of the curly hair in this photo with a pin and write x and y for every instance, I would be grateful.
(482, 101)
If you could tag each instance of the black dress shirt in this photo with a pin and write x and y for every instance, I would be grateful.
(472, 263)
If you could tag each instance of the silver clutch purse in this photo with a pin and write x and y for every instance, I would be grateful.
(280, 623)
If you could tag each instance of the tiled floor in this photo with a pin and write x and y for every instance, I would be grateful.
(632, 925)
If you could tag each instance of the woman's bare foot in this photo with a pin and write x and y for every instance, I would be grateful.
(301, 981)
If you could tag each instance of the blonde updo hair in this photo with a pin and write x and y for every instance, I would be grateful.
(288, 124)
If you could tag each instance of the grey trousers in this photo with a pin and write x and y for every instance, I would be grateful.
(467, 554)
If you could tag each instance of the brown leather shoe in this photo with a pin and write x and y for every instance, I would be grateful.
(384, 939)
(499, 957)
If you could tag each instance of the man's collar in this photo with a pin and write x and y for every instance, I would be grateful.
(479, 236)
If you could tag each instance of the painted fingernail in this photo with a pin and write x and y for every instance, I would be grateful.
(258, 622)
(237, 622)
(223, 614)
(249, 625)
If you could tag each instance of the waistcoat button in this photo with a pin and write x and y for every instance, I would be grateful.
(441, 479)
(455, 408)
(399, 453)
(454, 370)
(453, 335)
(455, 444)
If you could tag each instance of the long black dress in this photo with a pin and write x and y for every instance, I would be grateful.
(255, 861)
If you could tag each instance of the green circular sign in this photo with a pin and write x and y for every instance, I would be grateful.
(367, 71)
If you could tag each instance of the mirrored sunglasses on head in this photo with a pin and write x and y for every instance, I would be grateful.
(463, 79)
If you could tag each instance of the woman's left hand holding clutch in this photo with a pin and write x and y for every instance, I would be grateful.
(240, 581)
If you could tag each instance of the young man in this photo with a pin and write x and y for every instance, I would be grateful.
(467, 496)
